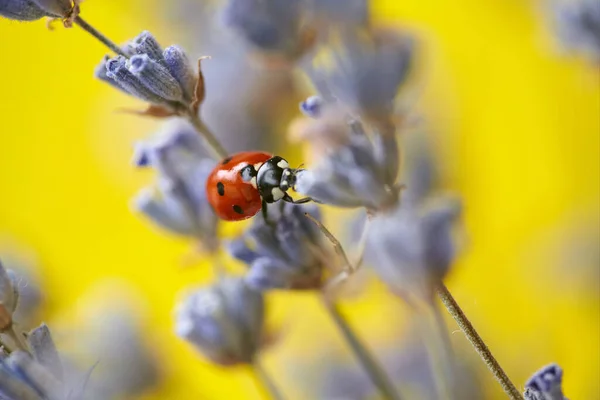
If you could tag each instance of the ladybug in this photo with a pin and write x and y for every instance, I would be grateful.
(243, 184)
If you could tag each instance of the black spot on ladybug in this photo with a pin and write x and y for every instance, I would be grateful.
(226, 160)
(221, 189)
(238, 209)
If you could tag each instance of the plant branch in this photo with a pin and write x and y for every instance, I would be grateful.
(371, 366)
(217, 150)
(95, 33)
(477, 342)
(264, 380)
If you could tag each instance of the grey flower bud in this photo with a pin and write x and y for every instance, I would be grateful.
(145, 43)
(116, 69)
(288, 253)
(21, 10)
(545, 384)
(181, 69)
(155, 77)
(224, 321)
(44, 351)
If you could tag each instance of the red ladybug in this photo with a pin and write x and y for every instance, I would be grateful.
(244, 183)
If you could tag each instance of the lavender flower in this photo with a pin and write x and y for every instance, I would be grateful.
(288, 253)
(31, 10)
(578, 26)
(178, 202)
(359, 173)
(270, 25)
(412, 249)
(545, 384)
(312, 107)
(163, 78)
(224, 321)
(38, 376)
(368, 69)
(340, 12)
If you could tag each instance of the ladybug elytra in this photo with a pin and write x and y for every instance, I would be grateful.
(244, 183)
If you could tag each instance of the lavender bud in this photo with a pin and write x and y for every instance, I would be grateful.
(145, 43)
(178, 202)
(369, 68)
(58, 8)
(311, 107)
(101, 72)
(545, 384)
(359, 173)
(36, 375)
(271, 25)
(411, 250)
(155, 77)
(116, 69)
(287, 254)
(578, 26)
(13, 387)
(44, 351)
(21, 10)
(181, 69)
(224, 321)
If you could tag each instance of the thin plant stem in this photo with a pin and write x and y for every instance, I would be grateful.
(372, 368)
(265, 382)
(18, 339)
(95, 33)
(441, 358)
(480, 347)
(217, 150)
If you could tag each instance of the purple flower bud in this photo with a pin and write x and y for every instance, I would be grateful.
(224, 321)
(411, 249)
(116, 69)
(368, 70)
(181, 69)
(289, 253)
(545, 384)
(359, 173)
(155, 77)
(578, 26)
(22, 10)
(44, 351)
(311, 107)
(178, 201)
(271, 25)
(145, 43)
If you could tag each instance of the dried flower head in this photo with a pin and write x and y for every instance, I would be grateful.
(360, 171)
(578, 26)
(363, 70)
(412, 249)
(545, 384)
(224, 321)
(289, 252)
(178, 201)
(163, 78)
(31, 10)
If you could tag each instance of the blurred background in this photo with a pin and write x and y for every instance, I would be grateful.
(511, 122)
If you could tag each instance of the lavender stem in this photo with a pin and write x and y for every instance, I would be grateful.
(217, 150)
(477, 342)
(372, 368)
(265, 381)
(95, 33)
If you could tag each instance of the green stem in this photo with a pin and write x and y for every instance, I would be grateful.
(265, 382)
(95, 33)
(372, 368)
(480, 347)
(217, 150)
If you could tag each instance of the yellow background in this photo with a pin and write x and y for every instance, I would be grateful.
(516, 128)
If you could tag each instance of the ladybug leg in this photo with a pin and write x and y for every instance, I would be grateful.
(265, 214)
(289, 199)
(347, 268)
